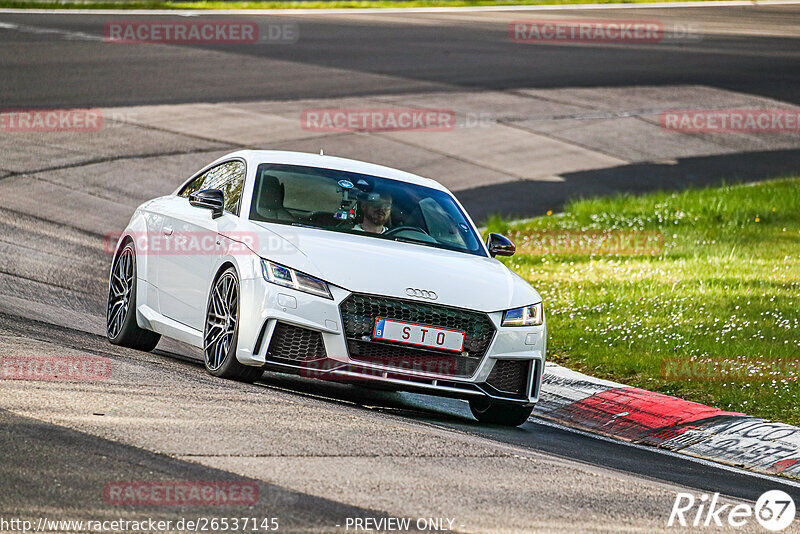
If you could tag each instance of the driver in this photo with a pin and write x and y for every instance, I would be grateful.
(376, 210)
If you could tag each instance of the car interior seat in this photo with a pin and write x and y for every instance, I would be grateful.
(269, 199)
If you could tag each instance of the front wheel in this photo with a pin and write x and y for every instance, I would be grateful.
(222, 331)
(499, 413)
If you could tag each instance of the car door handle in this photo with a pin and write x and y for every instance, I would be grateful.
(167, 231)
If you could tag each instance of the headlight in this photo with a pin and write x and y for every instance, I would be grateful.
(526, 316)
(287, 277)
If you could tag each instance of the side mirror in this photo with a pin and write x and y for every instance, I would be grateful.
(210, 199)
(499, 245)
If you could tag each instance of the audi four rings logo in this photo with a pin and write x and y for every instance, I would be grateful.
(421, 293)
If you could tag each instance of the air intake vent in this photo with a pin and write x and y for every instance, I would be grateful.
(296, 344)
(510, 377)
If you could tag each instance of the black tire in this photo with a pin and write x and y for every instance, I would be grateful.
(220, 337)
(499, 413)
(121, 326)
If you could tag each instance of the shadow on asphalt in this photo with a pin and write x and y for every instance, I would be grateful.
(47, 467)
(526, 198)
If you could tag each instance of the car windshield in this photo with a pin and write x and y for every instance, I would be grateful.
(361, 204)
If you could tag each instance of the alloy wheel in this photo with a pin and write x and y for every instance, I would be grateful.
(221, 320)
(119, 293)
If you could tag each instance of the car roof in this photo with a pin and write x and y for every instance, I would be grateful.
(256, 157)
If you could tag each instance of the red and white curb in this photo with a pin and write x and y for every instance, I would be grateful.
(648, 418)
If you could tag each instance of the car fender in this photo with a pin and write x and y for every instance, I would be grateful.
(137, 231)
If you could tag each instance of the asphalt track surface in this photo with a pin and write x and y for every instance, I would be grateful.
(47, 61)
(320, 452)
(425, 51)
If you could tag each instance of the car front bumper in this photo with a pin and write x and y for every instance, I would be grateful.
(295, 332)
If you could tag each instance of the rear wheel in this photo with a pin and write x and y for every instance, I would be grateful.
(499, 413)
(222, 331)
(121, 326)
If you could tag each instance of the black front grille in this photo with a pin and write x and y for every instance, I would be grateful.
(360, 311)
(510, 377)
(295, 344)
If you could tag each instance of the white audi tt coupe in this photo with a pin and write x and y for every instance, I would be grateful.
(332, 269)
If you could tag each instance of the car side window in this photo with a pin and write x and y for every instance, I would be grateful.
(227, 177)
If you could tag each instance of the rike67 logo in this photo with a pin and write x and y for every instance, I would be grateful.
(774, 511)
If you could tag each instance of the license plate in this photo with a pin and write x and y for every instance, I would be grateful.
(418, 334)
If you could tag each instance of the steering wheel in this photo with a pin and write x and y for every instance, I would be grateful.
(400, 228)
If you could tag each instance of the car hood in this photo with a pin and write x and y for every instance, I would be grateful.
(369, 265)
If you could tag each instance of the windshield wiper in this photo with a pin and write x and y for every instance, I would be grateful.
(414, 241)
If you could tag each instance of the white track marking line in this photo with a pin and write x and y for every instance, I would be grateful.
(358, 11)
(23, 28)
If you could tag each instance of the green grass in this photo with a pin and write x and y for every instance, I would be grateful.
(726, 285)
(293, 4)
